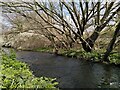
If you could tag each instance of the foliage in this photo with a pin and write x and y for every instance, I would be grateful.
(44, 49)
(52, 22)
(115, 58)
(94, 56)
(16, 74)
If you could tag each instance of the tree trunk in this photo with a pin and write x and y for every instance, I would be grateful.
(88, 44)
(111, 44)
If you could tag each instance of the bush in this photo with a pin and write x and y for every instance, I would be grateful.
(95, 56)
(16, 74)
(114, 58)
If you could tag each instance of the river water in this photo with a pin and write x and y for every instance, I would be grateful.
(71, 72)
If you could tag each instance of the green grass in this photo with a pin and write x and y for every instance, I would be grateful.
(15, 74)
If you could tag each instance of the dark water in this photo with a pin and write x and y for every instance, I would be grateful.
(71, 73)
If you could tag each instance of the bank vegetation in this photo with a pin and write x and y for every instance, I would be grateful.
(83, 26)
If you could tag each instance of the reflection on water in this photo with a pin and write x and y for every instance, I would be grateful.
(71, 72)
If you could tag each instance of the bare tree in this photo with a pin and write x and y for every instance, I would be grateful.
(101, 24)
(82, 16)
(30, 20)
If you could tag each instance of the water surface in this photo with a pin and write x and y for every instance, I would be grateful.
(70, 72)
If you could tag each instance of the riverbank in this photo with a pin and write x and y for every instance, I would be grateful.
(70, 72)
(16, 74)
(24, 41)
(94, 56)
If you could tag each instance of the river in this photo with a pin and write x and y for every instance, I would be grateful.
(71, 72)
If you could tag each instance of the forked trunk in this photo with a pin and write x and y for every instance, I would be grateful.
(88, 44)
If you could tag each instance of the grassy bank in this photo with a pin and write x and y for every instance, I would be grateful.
(95, 56)
(15, 74)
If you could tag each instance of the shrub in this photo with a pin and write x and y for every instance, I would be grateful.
(15, 74)
(114, 58)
